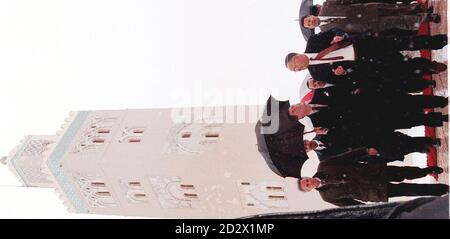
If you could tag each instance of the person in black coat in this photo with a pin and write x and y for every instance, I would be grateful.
(383, 86)
(374, 116)
(345, 183)
(327, 117)
(374, 57)
(389, 146)
(326, 149)
(390, 71)
(393, 146)
(369, 46)
(384, 102)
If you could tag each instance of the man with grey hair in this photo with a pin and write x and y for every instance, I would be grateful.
(335, 56)
(346, 182)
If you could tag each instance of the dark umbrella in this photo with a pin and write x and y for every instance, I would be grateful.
(305, 9)
(280, 139)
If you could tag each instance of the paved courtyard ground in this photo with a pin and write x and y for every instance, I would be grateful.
(440, 7)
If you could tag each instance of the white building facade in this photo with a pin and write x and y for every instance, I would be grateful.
(151, 163)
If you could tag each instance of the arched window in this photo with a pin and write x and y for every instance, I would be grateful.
(185, 135)
(193, 137)
(132, 135)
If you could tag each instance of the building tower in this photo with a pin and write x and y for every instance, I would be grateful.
(169, 163)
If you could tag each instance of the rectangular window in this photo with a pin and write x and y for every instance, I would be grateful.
(103, 194)
(274, 188)
(191, 195)
(98, 184)
(212, 135)
(104, 131)
(98, 141)
(276, 197)
(140, 195)
(134, 184)
(186, 186)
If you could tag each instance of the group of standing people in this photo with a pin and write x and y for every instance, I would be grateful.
(365, 90)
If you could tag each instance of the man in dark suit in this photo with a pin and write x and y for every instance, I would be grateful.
(372, 17)
(346, 182)
(339, 96)
(388, 85)
(393, 146)
(374, 116)
(334, 95)
(335, 53)
(368, 46)
(326, 149)
(387, 146)
(323, 116)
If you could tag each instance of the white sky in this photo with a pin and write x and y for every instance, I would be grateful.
(59, 55)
